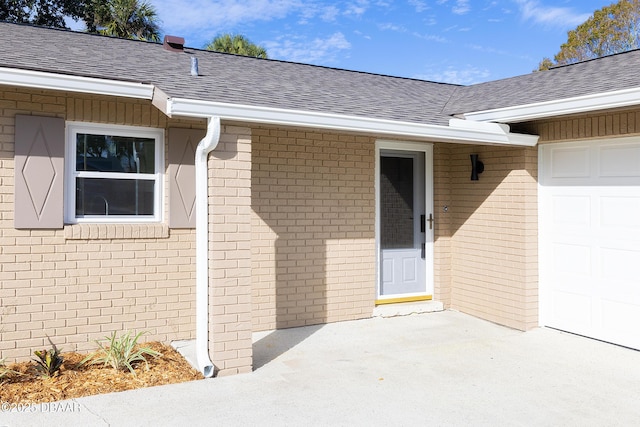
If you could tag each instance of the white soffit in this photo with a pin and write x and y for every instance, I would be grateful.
(575, 105)
(52, 81)
(474, 133)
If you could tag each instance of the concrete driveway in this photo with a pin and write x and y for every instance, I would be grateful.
(442, 368)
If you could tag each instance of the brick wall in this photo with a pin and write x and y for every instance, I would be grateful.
(292, 239)
(313, 247)
(230, 252)
(492, 234)
(442, 201)
(78, 284)
(609, 124)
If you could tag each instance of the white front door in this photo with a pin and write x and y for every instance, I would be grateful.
(405, 231)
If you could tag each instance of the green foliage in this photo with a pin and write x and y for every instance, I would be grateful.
(238, 45)
(130, 19)
(121, 352)
(48, 13)
(48, 362)
(545, 64)
(127, 19)
(612, 29)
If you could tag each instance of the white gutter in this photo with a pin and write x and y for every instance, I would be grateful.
(486, 135)
(208, 144)
(42, 80)
(496, 129)
(559, 107)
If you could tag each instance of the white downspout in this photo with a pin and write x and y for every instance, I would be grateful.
(208, 144)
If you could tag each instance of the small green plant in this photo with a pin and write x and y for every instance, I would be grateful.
(122, 352)
(4, 371)
(48, 362)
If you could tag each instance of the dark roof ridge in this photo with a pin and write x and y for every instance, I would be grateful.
(555, 67)
(282, 61)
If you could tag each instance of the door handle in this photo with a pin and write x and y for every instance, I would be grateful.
(431, 220)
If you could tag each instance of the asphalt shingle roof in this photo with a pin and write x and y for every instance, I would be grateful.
(610, 73)
(226, 78)
(277, 84)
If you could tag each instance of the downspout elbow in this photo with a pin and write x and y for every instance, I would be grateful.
(205, 146)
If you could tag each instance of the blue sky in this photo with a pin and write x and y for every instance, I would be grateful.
(452, 41)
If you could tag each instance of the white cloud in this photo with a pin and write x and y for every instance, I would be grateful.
(326, 13)
(357, 7)
(419, 5)
(465, 76)
(361, 34)
(430, 37)
(392, 27)
(485, 49)
(501, 52)
(207, 18)
(431, 20)
(299, 49)
(400, 29)
(329, 13)
(532, 10)
(462, 7)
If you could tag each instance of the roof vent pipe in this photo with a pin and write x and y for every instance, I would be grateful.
(194, 66)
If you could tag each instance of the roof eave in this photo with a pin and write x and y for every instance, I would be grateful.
(71, 83)
(560, 107)
(482, 135)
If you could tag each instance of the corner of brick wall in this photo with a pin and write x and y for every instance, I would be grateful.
(230, 341)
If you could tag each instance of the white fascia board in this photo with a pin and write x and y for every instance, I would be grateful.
(576, 105)
(63, 82)
(277, 116)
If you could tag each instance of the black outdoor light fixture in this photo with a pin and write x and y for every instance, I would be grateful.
(476, 167)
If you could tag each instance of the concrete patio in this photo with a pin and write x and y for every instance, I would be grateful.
(442, 368)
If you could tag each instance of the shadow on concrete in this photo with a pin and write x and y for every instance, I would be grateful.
(271, 344)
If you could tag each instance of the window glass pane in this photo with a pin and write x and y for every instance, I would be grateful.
(396, 203)
(99, 196)
(106, 153)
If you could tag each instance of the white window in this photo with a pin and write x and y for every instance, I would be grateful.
(114, 173)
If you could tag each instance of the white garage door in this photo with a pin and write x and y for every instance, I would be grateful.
(589, 208)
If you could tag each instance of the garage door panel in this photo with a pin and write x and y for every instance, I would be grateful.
(574, 260)
(615, 266)
(620, 323)
(571, 211)
(620, 213)
(619, 160)
(572, 311)
(570, 162)
(589, 245)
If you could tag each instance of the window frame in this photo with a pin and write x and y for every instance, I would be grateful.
(75, 128)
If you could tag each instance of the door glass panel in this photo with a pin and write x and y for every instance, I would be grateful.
(396, 216)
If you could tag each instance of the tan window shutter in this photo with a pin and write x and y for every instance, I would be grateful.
(182, 176)
(39, 172)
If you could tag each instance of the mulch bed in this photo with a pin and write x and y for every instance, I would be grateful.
(77, 381)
